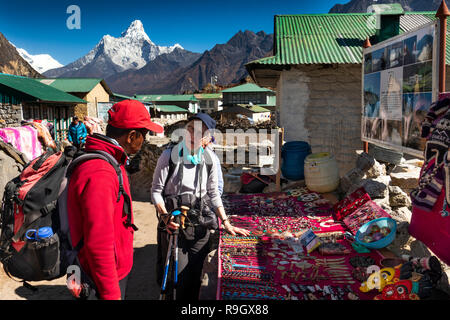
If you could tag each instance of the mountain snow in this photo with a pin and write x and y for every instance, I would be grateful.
(39, 62)
(132, 50)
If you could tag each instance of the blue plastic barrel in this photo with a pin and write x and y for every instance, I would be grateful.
(293, 154)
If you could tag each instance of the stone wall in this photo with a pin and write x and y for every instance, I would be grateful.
(321, 104)
(10, 115)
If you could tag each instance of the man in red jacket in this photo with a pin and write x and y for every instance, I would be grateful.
(95, 215)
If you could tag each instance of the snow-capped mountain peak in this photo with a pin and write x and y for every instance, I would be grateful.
(132, 50)
(136, 31)
(39, 62)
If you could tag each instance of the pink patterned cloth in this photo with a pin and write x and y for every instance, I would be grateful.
(25, 139)
(93, 125)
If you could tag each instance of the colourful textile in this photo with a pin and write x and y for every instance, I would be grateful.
(44, 134)
(25, 139)
(367, 212)
(264, 265)
(93, 125)
(432, 228)
(302, 202)
(350, 203)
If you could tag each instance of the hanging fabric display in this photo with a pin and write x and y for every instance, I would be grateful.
(430, 222)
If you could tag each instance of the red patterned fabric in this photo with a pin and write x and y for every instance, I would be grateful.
(349, 204)
(367, 212)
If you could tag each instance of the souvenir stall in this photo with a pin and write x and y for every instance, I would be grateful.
(301, 248)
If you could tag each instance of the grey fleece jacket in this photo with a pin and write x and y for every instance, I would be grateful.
(190, 182)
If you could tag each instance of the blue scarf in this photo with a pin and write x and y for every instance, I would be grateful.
(194, 159)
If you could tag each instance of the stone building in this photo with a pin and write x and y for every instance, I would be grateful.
(316, 69)
(26, 98)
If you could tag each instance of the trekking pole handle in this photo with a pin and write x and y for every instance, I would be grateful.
(176, 218)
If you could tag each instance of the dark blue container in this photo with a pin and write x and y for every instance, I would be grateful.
(293, 154)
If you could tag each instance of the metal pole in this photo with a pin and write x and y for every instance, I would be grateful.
(442, 14)
(367, 44)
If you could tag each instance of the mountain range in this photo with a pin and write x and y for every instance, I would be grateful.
(183, 71)
(408, 5)
(132, 63)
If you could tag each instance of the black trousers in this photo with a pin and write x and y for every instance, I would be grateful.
(122, 285)
(191, 255)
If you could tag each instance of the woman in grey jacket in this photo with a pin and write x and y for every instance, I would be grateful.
(186, 170)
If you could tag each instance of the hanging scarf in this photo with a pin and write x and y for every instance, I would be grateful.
(195, 159)
(436, 128)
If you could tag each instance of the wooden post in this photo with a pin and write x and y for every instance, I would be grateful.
(367, 44)
(280, 145)
(442, 14)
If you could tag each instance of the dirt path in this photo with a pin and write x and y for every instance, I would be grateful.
(141, 284)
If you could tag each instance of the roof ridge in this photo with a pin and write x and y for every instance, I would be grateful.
(348, 14)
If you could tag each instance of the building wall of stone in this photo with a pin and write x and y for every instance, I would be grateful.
(10, 115)
(321, 104)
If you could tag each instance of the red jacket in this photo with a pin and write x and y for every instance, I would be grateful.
(94, 214)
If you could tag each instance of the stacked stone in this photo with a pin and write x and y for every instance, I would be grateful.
(10, 115)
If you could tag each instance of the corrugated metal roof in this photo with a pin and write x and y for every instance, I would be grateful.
(329, 38)
(74, 84)
(248, 87)
(170, 108)
(166, 97)
(37, 90)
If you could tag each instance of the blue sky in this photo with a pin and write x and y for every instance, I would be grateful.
(39, 26)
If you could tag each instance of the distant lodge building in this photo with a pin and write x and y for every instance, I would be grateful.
(209, 102)
(248, 100)
(168, 112)
(186, 101)
(26, 98)
(247, 94)
(93, 90)
(316, 69)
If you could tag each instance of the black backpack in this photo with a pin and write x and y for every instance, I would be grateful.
(37, 198)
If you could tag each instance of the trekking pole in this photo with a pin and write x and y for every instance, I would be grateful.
(162, 295)
(177, 219)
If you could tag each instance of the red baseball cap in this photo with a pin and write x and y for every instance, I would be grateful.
(132, 114)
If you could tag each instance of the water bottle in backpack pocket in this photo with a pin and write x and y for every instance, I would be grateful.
(38, 258)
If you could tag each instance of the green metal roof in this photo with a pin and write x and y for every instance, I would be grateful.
(37, 90)
(333, 38)
(122, 96)
(166, 97)
(170, 108)
(248, 87)
(75, 84)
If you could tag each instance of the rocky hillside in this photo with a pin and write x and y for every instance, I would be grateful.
(11, 62)
(408, 5)
(143, 80)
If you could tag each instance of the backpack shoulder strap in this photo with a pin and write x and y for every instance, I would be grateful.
(171, 170)
(111, 160)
